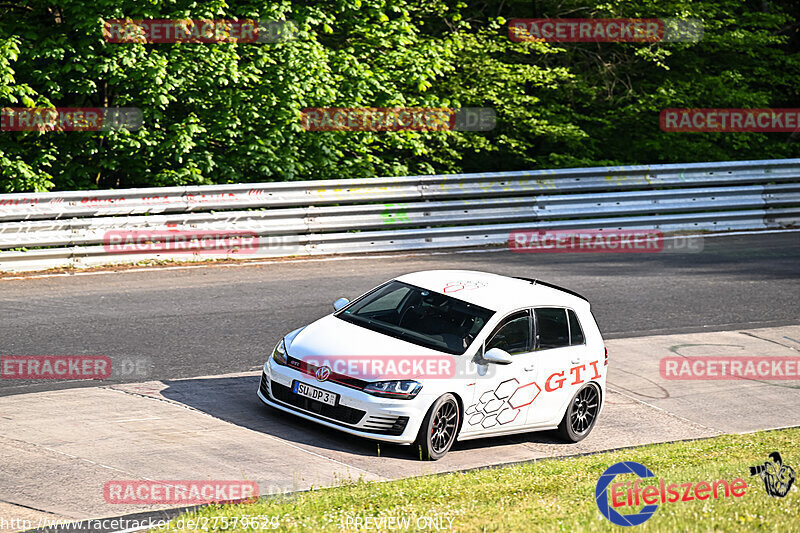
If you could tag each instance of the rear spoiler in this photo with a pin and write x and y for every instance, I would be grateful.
(552, 286)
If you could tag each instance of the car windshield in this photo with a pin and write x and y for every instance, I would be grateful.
(419, 316)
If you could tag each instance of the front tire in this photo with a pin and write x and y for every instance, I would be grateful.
(439, 428)
(581, 414)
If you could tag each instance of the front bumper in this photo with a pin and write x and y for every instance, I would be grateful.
(356, 412)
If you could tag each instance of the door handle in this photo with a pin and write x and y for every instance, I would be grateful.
(575, 361)
(530, 368)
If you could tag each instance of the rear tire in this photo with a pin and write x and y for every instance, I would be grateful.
(439, 429)
(581, 414)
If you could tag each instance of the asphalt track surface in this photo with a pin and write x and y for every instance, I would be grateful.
(737, 297)
(211, 320)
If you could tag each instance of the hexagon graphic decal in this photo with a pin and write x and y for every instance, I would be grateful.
(507, 415)
(505, 389)
(524, 395)
(489, 421)
(476, 418)
(487, 396)
(494, 405)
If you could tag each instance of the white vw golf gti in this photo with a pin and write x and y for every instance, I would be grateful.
(438, 356)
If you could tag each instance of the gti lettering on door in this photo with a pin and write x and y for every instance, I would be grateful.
(576, 372)
(477, 413)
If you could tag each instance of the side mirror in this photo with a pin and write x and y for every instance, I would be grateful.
(341, 302)
(497, 356)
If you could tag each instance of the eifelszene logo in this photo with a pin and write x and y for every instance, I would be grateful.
(601, 494)
(778, 477)
(627, 494)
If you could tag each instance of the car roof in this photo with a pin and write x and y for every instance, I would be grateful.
(493, 291)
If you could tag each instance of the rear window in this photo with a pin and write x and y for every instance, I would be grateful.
(552, 329)
(575, 330)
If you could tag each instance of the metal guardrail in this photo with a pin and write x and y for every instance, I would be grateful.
(56, 229)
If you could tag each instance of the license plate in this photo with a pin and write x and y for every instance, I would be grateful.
(314, 393)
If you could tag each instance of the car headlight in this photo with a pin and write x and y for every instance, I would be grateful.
(279, 353)
(403, 390)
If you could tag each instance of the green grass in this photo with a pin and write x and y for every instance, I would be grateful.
(550, 495)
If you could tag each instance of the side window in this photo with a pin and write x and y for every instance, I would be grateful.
(575, 331)
(513, 335)
(552, 330)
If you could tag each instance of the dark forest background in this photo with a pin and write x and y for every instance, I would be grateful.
(230, 113)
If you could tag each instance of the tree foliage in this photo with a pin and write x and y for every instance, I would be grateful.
(228, 113)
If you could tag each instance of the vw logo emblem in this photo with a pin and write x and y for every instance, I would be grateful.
(323, 373)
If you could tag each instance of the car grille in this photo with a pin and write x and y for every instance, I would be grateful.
(342, 413)
(341, 379)
(383, 425)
